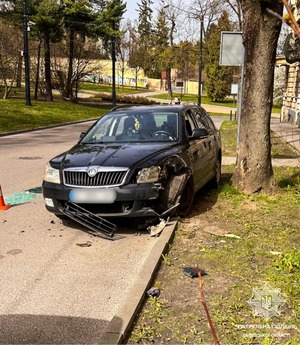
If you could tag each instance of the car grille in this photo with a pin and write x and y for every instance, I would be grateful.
(102, 178)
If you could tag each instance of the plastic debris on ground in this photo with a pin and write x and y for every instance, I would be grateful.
(86, 244)
(155, 230)
(19, 198)
(232, 236)
(192, 272)
(98, 226)
(36, 190)
(153, 292)
(23, 197)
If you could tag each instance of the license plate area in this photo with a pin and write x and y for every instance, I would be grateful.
(92, 196)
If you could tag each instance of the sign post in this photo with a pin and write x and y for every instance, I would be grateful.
(232, 54)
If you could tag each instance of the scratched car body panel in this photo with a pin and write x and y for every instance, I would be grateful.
(139, 162)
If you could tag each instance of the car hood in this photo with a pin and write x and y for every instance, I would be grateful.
(125, 155)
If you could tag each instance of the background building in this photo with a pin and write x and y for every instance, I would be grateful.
(290, 111)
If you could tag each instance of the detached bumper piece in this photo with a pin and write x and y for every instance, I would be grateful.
(99, 226)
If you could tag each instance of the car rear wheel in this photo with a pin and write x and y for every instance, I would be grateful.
(215, 182)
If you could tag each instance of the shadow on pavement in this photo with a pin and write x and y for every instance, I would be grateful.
(50, 329)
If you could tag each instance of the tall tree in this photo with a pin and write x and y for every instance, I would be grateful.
(254, 173)
(145, 31)
(12, 12)
(77, 17)
(166, 27)
(219, 77)
(10, 43)
(134, 58)
(160, 43)
(187, 60)
(234, 8)
(47, 21)
(109, 21)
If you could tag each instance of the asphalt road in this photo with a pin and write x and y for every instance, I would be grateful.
(58, 283)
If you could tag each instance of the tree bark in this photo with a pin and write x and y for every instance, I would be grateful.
(69, 88)
(48, 82)
(37, 76)
(254, 173)
(169, 82)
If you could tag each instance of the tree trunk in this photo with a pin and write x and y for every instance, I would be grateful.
(19, 73)
(48, 82)
(69, 89)
(254, 173)
(37, 76)
(169, 82)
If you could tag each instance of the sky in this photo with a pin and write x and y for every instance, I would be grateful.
(131, 12)
(132, 6)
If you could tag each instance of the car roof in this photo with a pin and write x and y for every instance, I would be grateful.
(158, 107)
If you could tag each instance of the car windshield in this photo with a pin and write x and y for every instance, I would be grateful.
(134, 127)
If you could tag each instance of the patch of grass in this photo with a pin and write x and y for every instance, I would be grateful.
(228, 131)
(265, 250)
(15, 115)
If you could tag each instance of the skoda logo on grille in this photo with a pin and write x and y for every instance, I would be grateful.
(92, 172)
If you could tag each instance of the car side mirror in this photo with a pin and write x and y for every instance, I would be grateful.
(199, 133)
(82, 134)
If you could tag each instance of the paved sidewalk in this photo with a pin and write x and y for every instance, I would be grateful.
(290, 133)
(286, 131)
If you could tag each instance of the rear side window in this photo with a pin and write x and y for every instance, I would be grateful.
(189, 123)
(203, 119)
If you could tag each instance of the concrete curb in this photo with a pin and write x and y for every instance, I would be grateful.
(118, 328)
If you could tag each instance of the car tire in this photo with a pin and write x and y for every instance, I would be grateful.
(186, 199)
(215, 182)
(178, 189)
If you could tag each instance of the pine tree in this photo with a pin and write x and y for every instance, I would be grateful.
(77, 15)
(145, 37)
(219, 77)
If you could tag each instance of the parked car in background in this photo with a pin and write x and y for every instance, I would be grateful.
(140, 162)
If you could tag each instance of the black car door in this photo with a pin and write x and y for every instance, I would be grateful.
(204, 121)
(198, 151)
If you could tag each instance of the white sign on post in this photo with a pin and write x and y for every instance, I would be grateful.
(232, 49)
(234, 89)
(232, 54)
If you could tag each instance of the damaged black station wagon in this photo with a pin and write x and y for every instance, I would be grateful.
(140, 162)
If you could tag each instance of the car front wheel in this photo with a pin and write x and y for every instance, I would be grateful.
(179, 190)
(186, 199)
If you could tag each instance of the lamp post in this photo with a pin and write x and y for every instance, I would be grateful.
(200, 61)
(26, 54)
(113, 56)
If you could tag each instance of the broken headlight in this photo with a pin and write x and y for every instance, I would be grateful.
(148, 175)
(51, 174)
